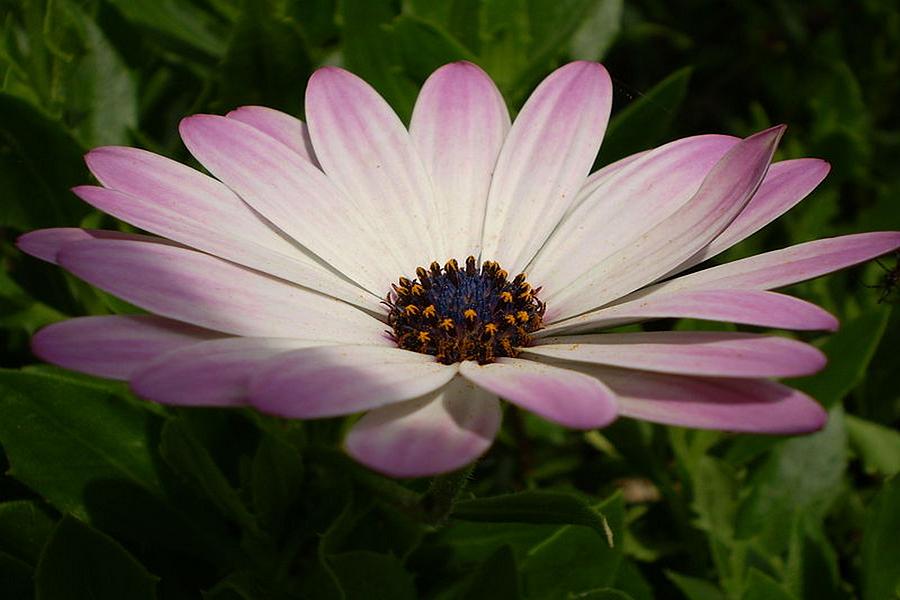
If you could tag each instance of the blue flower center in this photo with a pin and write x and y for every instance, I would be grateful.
(471, 313)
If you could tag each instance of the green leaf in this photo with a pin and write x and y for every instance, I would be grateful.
(881, 544)
(849, 352)
(267, 61)
(762, 587)
(190, 459)
(277, 474)
(369, 576)
(574, 559)
(878, 446)
(646, 121)
(534, 506)
(179, 20)
(16, 581)
(497, 578)
(423, 47)
(24, 529)
(695, 589)
(39, 163)
(598, 31)
(812, 568)
(81, 563)
(602, 594)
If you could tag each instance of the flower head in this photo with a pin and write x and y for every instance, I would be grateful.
(348, 265)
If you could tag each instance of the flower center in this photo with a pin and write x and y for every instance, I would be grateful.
(469, 313)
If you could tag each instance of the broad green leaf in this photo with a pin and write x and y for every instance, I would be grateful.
(630, 581)
(16, 581)
(602, 594)
(81, 563)
(598, 30)
(189, 459)
(646, 121)
(39, 163)
(812, 568)
(534, 506)
(497, 578)
(369, 576)
(878, 446)
(277, 474)
(574, 559)
(423, 47)
(24, 529)
(695, 589)
(460, 19)
(762, 587)
(849, 352)
(267, 61)
(179, 20)
(370, 52)
(881, 544)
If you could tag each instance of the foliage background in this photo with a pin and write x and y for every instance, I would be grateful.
(104, 496)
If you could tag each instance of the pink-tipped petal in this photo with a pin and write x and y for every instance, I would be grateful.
(438, 433)
(708, 353)
(290, 192)
(157, 180)
(197, 288)
(721, 197)
(185, 220)
(46, 243)
(625, 204)
(559, 395)
(288, 130)
(364, 148)
(740, 405)
(545, 160)
(113, 346)
(787, 183)
(783, 267)
(338, 380)
(746, 307)
(458, 127)
(213, 373)
(600, 176)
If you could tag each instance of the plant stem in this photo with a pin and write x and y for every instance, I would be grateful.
(437, 502)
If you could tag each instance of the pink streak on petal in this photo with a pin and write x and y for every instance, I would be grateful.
(741, 405)
(559, 395)
(721, 197)
(545, 160)
(458, 127)
(626, 204)
(213, 373)
(338, 380)
(747, 307)
(113, 346)
(46, 243)
(438, 433)
(197, 288)
(787, 183)
(288, 130)
(365, 149)
(708, 353)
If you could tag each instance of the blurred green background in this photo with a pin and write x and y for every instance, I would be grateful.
(104, 496)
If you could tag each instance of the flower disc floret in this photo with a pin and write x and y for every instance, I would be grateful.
(469, 313)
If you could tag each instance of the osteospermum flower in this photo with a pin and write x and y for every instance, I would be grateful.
(348, 265)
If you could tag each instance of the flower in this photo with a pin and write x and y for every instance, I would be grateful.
(301, 279)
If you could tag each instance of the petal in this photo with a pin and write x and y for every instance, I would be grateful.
(625, 205)
(787, 183)
(747, 307)
(290, 192)
(45, 243)
(438, 433)
(721, 197)
(207, 231)
(545, 160)
(599, 177)
(559, 395)
(288, 130)
(742, 405)
(784, 267)
(214, 373)
(458, 127)
(339, 380)
(113, 346)
(197, 197)
(365, 149)
(201, 289)
(710, 353)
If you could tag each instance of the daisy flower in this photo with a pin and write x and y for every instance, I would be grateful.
(349, 265)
